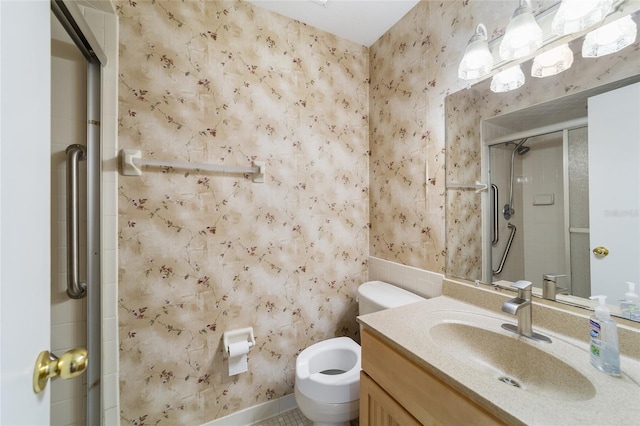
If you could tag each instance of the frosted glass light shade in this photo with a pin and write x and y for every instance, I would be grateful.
(552, 62)
(477, 60)
(522, 37)
(610, 38)
(577, 15)
(509, 79)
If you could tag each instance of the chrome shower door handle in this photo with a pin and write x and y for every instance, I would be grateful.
(495, 237)
(75, 288)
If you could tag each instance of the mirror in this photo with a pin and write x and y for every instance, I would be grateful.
(485, 128)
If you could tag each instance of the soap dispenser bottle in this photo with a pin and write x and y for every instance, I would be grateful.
(605, 355)
(630, 306)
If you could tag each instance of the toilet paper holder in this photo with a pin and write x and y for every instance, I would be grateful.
(234, 336)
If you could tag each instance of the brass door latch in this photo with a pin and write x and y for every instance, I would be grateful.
(71, 364)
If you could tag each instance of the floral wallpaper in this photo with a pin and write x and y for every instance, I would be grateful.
(413, 68)
(226, 82)
(354, 143)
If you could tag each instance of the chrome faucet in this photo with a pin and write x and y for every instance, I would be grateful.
(521, 307)
(549, 287)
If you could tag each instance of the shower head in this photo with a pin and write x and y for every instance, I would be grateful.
(520, 149)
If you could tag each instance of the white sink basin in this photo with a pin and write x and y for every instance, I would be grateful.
(514, 360)
(464, 346)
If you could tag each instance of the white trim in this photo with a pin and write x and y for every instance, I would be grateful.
(566, 208)
(110, 404)
(538, 131)
(257, 413)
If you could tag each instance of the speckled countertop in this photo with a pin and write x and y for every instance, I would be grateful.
(579, 394)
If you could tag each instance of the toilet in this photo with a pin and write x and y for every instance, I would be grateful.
(327, 384)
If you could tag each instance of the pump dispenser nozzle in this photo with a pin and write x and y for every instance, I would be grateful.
(601, 309)
(630, 306)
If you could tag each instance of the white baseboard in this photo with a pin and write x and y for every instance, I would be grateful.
(257, 413)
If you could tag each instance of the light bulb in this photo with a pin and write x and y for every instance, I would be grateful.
(552, 62)
(577, 15)
(509, 79)
(477, 60)
(523, 35)
(610, 38)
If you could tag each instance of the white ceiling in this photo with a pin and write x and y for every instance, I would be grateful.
(361, 21)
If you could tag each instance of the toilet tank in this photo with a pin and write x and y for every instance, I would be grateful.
(375, 296)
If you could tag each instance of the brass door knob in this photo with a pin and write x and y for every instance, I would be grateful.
(601, 251)
(71, 364)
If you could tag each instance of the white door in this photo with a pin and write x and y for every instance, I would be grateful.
(614, 194)
(24, 207)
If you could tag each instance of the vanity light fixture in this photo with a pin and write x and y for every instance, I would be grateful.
(477, 60)
(523, 35)
(610, 38)
(507, 80)
(552, 62)
(577, 15)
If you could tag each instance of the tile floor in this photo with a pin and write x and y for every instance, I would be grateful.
(289, 418)
(292, 418)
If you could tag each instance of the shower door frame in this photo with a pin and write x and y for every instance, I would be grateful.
(71, 18)
(487, 268)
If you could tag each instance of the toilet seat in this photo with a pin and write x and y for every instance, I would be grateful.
(340, 353)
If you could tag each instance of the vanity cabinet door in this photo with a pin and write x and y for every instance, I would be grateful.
(377, 408)
(425, 397)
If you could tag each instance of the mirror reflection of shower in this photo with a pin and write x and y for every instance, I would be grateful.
(541, 195)
(520, 149)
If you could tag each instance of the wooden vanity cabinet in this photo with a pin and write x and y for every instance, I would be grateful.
(394, 390)
(378, 408)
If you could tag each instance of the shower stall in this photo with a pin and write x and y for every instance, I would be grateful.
(539, 223)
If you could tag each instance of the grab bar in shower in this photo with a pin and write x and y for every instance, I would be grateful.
(495, 233)
(506, 249)
(75, 288)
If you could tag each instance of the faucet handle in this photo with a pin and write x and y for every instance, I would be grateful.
(552, 277)
(524, 289)
(549, 288)
(522, 285)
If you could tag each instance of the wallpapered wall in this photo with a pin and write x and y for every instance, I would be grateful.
(227, 82)
(201, 253)
(413, 68)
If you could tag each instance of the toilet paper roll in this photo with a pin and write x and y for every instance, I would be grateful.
(238, 357)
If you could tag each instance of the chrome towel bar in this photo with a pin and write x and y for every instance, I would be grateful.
(131, 160)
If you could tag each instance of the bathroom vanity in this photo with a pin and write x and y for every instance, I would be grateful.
(407, 393)
(446, 361)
